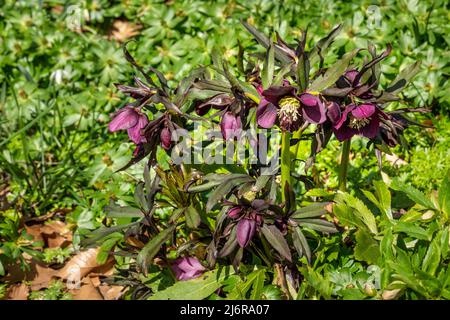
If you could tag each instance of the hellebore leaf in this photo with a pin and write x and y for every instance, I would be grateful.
(301, 244)
(192, 217)
(311, 211)
(268, 68)
(260, 183)
(277, 240)
(98, 234)
(323, 44)
(366, 248)
(115, 211)
(196, 289)
(145, 257)
(303, 72)
(404, 77)
(224, 188)
(318, 225)
(263, 40)
(230, 245)
(334, 72)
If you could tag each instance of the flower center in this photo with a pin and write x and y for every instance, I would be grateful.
(358, 123)
(289, 108)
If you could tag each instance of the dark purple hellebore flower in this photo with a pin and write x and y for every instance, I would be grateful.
(358, 120)
(230, 125)
(291, 110)
(187, 268)
(249, 218)
(246, 229)
(130, 119)
(166, 138)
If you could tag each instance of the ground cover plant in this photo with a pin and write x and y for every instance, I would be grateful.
(269, 156)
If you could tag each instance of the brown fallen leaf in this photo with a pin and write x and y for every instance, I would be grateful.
(395, 160)
(124, 30)
(56, 234)
(87, 291)
(111, 292)
(18, 291)
(35, 231)
(39, 275)
(80, 265)
(106, 269)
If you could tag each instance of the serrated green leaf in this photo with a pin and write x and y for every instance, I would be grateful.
(366, 248)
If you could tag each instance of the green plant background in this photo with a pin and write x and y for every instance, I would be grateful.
(56, 88)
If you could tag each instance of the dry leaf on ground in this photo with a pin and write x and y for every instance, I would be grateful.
(80, 265)
(18, 291)
(87, 291)
(124, 30)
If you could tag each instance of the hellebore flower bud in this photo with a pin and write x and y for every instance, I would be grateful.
(230, 125)
(246, 229)
(187, 268)
(234, 212)
(166, 138)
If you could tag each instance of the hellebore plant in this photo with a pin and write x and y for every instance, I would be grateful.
(236, 213)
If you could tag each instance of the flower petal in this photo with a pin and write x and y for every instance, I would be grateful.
(266, 114)
(245, 231)
(187, 268)
(313, 109)
(166, 138)
(333, 112)
(275, 93)
(344, 133)
(364, 111)
(371, 130)
(344, 115)
(230, 125)
(234, 212)
(124, 119)
(135, 132)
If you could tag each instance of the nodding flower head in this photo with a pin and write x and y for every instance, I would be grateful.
(291, 110)
(187, 268)
(166, 138)
(230, 125)
(359, 120)
(131, 119)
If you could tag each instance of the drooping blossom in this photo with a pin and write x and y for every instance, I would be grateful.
(248, 216)
(291, 110)
(131, 119)
(361, 119)
(187, 268)
(230, 125)
(229, 108)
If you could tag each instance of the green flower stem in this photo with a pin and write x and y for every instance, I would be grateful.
(343, 169)
(285, 161)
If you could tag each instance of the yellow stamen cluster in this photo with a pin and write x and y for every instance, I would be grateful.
(289, 108)
(357, 124)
